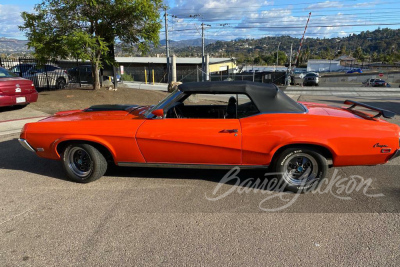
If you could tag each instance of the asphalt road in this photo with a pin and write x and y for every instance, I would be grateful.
(139, 216)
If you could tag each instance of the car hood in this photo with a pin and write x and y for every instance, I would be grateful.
(101, 112)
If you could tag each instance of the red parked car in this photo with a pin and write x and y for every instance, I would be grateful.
(15, 90)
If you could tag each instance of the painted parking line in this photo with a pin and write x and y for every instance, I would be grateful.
(28, 118)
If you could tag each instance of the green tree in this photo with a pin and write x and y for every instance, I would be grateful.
(88, 29)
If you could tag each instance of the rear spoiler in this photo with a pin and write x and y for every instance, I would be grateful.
(381, 112)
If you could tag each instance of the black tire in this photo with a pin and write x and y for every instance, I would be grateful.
(61, 83)
(306, 164)
(83, 163)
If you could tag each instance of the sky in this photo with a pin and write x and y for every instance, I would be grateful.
(232, 19)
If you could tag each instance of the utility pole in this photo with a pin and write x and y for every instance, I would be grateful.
(203, 65)
(167, 43)
(277, 56)
(290, 66)
(202, 53)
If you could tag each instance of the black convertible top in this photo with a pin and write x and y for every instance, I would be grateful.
(267, 97)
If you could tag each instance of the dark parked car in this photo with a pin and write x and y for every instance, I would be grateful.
(83, 74)
(375, 83)
(311, 79)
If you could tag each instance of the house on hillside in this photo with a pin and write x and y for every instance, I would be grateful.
(346, 61)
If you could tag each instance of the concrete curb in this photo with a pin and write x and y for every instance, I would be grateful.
(142, 86)
(14, 126)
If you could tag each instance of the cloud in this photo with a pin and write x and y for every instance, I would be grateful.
(211, 10)
(10, 19)
(255, 19)
(282, 22)
(327, 4)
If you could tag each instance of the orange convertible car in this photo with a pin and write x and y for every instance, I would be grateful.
(218, 125)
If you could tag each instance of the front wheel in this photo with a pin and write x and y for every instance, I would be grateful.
(300, 169)
(83, 163)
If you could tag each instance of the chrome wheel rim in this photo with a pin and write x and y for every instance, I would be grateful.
(300, 169)
(80, 162)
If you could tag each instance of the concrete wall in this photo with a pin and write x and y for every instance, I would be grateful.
(391, 77)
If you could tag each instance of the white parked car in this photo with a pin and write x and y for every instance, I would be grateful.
(42, 76)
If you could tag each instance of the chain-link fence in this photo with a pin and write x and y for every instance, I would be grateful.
(278, 78)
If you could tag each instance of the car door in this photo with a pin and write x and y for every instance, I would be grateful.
(214, 141)
(190, 141)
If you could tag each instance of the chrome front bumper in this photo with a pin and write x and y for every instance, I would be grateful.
(26, 145)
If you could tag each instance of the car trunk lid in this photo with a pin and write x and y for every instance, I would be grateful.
(16, 86)
(343, 112)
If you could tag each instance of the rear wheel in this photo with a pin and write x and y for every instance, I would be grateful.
(83, 163)
(61, 83)
(300, 169)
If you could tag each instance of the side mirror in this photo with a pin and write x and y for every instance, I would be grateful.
(158, 113)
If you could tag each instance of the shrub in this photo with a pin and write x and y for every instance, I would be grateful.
(127, 77)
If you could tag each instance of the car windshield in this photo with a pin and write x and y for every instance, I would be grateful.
(21, 68)
(311, 75)
(164, 102)
(6, 74)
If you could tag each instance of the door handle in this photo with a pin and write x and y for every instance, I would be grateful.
(229, 131)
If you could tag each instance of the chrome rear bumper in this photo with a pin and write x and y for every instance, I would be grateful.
(26, 145)
(396, 154)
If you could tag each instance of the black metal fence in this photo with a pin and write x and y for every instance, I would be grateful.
(58, 74)
(51, 74)
(158, 72)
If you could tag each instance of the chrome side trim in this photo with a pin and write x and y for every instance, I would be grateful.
(188, 166)
(26, 145)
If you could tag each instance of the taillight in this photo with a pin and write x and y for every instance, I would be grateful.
(33, 87)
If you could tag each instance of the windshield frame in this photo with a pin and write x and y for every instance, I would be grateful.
(168, 100)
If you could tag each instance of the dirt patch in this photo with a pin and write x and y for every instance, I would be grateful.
(70, 99)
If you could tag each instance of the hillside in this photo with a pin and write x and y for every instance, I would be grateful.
(381, 45)
(13, 46)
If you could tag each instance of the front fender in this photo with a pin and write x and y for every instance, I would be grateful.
(93, 139)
